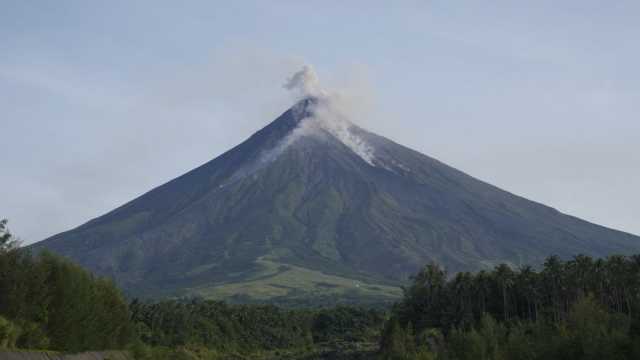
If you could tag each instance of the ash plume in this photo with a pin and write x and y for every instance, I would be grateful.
(329, 116)
(305, 83)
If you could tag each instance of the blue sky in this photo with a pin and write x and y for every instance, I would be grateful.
(102, 101)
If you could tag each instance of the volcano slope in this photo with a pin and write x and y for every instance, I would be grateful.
(313, 208)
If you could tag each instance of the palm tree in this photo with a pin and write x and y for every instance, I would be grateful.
(504, 276)
(553, 282)
(527, 281)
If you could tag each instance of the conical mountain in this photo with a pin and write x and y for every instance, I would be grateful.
(312, 206)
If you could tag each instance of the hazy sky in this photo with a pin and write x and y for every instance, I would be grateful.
(100, 101)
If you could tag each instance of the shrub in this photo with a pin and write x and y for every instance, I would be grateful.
(8, 333)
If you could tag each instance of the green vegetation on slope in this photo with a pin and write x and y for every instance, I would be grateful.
(287, 284)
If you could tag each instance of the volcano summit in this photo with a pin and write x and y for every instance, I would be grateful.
(314, 207)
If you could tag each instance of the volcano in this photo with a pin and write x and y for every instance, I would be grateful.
(314, 208)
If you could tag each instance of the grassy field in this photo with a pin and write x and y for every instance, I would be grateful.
(275, 280)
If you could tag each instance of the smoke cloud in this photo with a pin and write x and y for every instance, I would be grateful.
(305, 83)
(330, 115)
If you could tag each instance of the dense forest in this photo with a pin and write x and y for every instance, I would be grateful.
(211, 330)
(48, 303)
(582, 308)
(579, 309)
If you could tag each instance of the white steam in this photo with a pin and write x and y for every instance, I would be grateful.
(305, 83)
(329, 116)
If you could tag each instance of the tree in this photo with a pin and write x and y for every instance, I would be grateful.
(424, 299)
(553, 282)
(394, 341)
(527, 288)
(504, 277)
(8, 334)
(577, 309)
(57, 305)
(7, 240)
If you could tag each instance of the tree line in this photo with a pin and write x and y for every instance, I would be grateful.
(577, 309)
(47, 302)
(238, 331)
(583, 308)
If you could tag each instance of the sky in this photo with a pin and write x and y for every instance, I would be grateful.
(101, 101)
